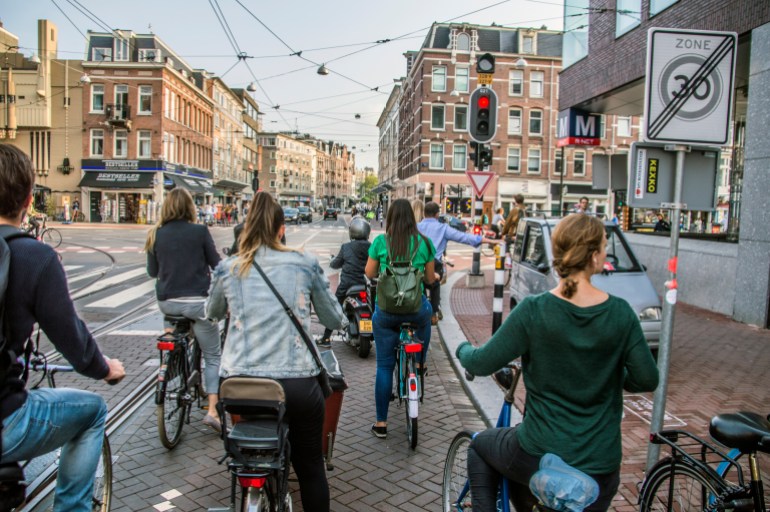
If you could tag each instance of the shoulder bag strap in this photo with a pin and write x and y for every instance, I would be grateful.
(289, 312)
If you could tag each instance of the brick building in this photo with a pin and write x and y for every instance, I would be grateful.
(252, 151)
(287, 164)
(605, 47)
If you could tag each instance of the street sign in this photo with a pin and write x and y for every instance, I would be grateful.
(651, 176)
(480, 181)
(689, 85)
(578, 128)
(485, 78)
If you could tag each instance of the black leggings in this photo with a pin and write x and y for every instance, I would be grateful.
(496, 451)
(305, 408)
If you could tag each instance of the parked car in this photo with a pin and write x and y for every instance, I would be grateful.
(623, 275)
(454, 222)
(305, 214)
(291, 215)
(330, 213)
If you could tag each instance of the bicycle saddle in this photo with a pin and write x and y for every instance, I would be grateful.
(409, 325)
(180, 322)
(353, 290)
(746, 431)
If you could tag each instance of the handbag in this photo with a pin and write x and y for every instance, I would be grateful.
(398, 287)
(323, 375)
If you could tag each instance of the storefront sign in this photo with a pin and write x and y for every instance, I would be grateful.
(117, 179)
(122, 165)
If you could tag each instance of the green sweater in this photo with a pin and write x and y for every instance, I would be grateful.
(576, 362)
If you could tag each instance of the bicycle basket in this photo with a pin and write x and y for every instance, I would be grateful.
(561, 487)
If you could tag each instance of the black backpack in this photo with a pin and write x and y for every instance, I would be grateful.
(12, 485)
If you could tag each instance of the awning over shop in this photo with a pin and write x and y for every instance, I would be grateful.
(235, 186)
(41, 188)
(107, 179)
(194, 185)
(573, 189)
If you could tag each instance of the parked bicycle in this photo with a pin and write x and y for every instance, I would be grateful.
(409, 379)
(698, 476)
(257, 445)
(557, 486)
(179, 379)
(102, 492)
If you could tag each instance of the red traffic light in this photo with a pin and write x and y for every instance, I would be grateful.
(483, 101)
(477, 230)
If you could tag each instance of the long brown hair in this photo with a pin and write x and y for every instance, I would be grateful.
(575, 240)
(17, 177)
(261, 228)
(178, 205)
(401, 230)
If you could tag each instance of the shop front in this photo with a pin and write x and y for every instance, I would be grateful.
(121, 191)
(196, 181)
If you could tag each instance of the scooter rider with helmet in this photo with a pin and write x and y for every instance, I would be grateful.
(352, 260)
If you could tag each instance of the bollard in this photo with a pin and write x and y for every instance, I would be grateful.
(497, 301)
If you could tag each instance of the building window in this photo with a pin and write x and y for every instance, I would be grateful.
(101, 54)
(536, 80)
(121, 49)
(166, 103)
(459, 157)
(121, 95)
(437, 156)
(461, 118)
(463, 42)
(439, 79)
(121, 144)
(437, 117)
(528, 44)
(624, 126)
(602, 126)
(514, 160)
(627, 15)
(516, 82)
(145, 99)
(97, 142)
(657, 6)
(144, 144)
(461, 79)
(97, 98)
(535, 122)
(574, 43)
(514, 121)
(580, 163)
(149, 55)
(533, 161)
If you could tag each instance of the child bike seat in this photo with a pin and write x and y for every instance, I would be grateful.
(256, 435)
(746, 431)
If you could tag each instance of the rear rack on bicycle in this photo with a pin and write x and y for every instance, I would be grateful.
(687, 446)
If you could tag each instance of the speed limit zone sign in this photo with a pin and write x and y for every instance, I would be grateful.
(689, 87)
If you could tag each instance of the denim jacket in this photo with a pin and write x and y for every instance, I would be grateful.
(262, 340)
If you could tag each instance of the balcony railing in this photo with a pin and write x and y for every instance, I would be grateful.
(118, 114)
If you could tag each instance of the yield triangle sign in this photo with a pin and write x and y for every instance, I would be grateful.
(480, 181)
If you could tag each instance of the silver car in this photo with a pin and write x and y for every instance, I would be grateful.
(623, 276)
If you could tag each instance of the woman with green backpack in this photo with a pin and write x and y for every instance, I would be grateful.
(403, 260)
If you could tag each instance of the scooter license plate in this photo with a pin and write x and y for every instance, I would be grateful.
(364, 326)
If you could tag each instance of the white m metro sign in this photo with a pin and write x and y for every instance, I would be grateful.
(577, 127)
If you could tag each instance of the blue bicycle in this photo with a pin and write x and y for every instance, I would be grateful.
(547, 484)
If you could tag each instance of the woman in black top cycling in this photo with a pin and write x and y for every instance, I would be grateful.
(181, 254)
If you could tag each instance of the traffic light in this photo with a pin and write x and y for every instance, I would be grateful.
(483, 122)
(485, 64)
(485, 156)
(476, 229)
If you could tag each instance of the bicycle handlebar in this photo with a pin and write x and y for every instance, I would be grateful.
(40, 366)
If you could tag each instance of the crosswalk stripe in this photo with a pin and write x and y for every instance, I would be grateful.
(136, 332)
(104, 283)
(67, 268)
(84, 275)
(118, 299)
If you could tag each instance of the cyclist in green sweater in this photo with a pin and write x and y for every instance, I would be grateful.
(580, 348)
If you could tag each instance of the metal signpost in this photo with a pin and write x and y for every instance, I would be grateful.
(688, 100)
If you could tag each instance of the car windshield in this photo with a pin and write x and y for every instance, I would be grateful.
(304, 209)
(290, 211)
(619, 256)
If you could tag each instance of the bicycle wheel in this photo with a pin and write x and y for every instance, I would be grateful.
(254, 499)
(412, 401)
(173, 405)
(455, 489)
(688, 489)
(51, 236)
(102, 495)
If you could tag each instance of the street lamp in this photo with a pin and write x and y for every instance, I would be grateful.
(323, 70)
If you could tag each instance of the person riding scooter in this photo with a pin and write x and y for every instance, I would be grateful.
(352, 260)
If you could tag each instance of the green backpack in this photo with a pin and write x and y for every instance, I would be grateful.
(398, 288)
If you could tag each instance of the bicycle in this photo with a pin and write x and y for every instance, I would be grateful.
(409, 381)
(257, 444)
(49, 236)
(102, 492)
(179, 379)
(699, 476)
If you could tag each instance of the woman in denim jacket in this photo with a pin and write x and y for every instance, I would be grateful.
(262, 341)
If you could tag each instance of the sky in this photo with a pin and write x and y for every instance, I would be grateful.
(361, 42)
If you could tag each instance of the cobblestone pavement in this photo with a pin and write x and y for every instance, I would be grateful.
(368, 474)
(717, 365)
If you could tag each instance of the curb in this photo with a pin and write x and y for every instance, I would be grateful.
(484, 393)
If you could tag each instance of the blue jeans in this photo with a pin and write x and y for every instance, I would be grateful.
(66, 418)
(386, 329)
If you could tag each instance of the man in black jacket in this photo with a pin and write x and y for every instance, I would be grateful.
(352, 260)
(39, 421)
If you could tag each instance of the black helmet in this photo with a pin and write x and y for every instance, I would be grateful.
(359, 229)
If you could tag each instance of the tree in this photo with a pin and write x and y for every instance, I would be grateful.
(369, 183)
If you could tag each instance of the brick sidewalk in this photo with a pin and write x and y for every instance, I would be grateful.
(717, 365)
